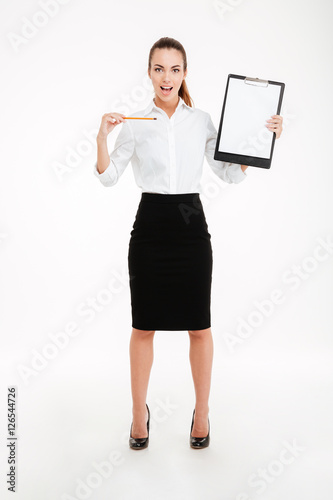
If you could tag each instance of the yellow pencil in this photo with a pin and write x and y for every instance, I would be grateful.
(138, 118)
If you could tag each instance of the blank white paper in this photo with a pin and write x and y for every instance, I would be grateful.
(247, 108)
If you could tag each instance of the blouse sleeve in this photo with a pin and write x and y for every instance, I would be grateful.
(119, 158)
(228, 172)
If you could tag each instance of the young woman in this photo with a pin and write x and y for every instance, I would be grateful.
(170, 254)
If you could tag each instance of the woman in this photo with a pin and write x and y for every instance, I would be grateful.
(170, 253)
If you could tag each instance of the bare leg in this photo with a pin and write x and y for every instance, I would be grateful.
(201, 358)
(141, 357)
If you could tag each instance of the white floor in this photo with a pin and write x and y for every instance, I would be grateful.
(270, 415)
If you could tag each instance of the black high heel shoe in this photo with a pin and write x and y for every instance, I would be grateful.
(199, 442)
(139, 443)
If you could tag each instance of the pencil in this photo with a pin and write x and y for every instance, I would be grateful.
(137, 118)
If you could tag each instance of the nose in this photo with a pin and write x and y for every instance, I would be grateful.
(167, 81)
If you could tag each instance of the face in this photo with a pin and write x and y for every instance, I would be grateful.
(167, 71)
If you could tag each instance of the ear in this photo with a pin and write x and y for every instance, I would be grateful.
(149, 73)
(185, 73)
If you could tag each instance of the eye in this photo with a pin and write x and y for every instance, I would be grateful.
(160, 69)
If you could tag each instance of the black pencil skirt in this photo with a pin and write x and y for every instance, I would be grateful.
(170, 263)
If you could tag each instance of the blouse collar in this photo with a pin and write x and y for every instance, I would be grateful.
(152, 105)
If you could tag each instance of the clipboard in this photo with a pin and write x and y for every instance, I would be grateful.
(243, 137)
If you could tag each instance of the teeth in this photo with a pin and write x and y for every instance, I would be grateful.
(166, 88)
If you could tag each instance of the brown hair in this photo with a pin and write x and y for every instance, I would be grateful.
(171, 43)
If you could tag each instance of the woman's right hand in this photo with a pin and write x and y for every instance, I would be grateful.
(108, 123)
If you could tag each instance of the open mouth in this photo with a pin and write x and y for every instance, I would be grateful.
(166, 90)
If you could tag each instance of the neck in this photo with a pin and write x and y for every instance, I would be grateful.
(166, 106)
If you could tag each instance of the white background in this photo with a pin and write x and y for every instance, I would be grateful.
(64, 243)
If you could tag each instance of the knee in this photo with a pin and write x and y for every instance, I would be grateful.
(143, 333)
(199, 334)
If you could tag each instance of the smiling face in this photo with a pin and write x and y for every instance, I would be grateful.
(167, 74)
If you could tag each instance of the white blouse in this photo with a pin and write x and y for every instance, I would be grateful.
(167, 154)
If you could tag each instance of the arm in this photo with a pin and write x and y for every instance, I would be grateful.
(103, 159)
(109, 168)
(228, 172)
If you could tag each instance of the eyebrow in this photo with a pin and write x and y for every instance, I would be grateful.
(175, 66)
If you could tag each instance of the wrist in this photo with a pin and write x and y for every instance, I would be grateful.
(101, 138)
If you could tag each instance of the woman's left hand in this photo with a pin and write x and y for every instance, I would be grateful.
(275, 125)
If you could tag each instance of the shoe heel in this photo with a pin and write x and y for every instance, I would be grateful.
(199, 442)
(139, 443)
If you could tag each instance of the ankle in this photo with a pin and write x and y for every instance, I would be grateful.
(201, 411)
(139, 411)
